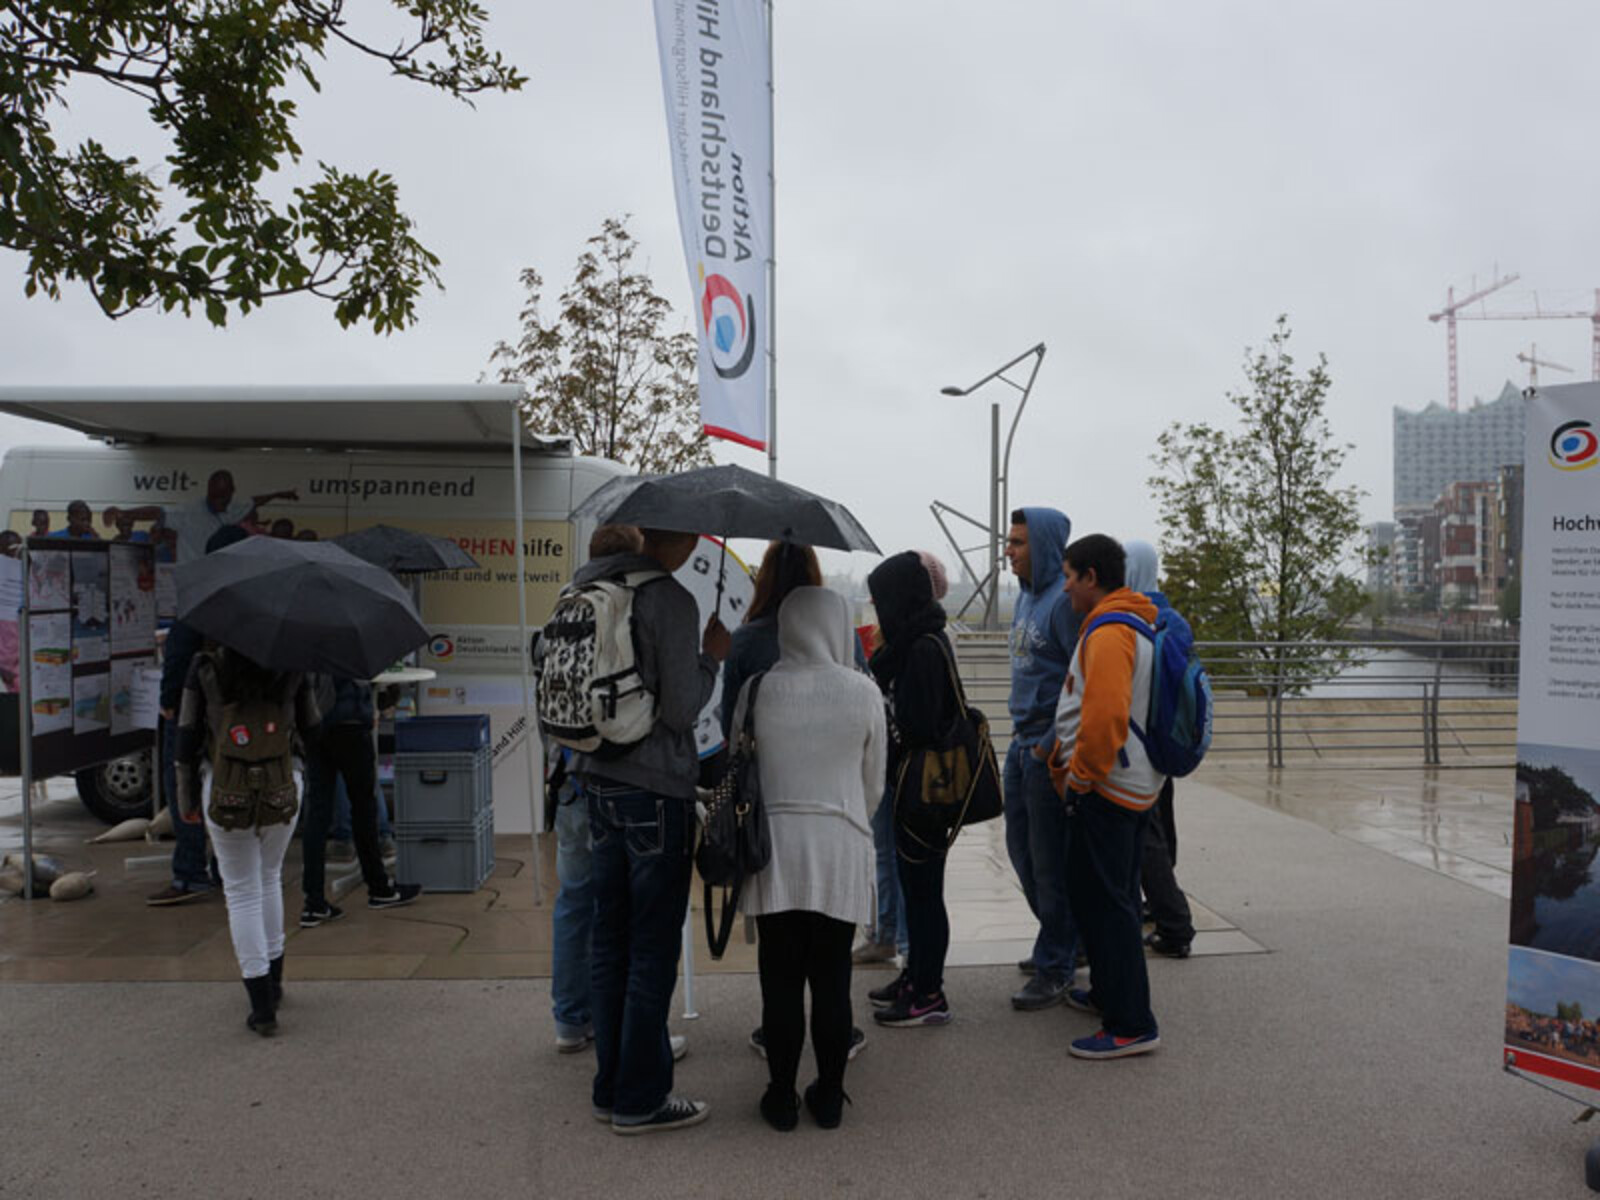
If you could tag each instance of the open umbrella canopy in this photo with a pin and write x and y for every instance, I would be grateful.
(300, 606)
(405, 551)
(730, 501)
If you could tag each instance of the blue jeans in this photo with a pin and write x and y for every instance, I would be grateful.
(641, 871)
(189, 841)
(1037, 835)
(891, 921)
(341, 815)
(572, 922)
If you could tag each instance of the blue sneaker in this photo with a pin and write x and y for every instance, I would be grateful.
(1078, 998)
(1105, 1045)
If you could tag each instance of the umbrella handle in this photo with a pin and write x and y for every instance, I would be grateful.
(722, 574)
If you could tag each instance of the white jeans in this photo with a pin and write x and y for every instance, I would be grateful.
(251, 862)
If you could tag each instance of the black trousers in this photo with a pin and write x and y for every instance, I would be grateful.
(1103, 884)
(927, 919)
(796, 949)
(1169, 908)
(341, 750)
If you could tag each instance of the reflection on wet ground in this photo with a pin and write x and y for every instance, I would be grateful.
(498, 932)
(1456, 821)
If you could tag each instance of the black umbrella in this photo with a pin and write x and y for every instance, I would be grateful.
(730, 501)
(405, 551)
(300, 606)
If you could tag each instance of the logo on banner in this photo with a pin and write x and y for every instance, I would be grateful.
(730, 325)
(442, 648)
(1574, 447)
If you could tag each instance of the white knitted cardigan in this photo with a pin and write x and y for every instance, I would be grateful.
(821, 746)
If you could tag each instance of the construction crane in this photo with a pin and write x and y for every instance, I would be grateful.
(1535, 362)
(1538, 313)
(1452, 306)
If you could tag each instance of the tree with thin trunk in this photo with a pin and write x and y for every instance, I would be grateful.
(608, 370)
(1258, 536)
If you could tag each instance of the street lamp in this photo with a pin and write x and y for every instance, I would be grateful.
(1000, 469)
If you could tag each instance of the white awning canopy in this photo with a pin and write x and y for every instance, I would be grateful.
(472, 416)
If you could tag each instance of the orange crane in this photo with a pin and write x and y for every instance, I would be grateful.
(1452, 306)
(1535, 362)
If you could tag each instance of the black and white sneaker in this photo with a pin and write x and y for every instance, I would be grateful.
(319, 912)
(676, 1113)
(398, 894)
(886, 995)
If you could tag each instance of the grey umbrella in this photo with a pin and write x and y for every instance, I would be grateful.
(300, 606)
(730, 501)
(405, 551)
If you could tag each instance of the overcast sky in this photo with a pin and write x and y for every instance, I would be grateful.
(1143, 186)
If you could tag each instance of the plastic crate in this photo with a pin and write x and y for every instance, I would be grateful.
(433, 788)
(436, 735)
(446, 857)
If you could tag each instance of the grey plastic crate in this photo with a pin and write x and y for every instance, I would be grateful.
(434, 788)
(447, 856)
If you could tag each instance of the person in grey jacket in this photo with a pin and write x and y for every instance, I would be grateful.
(641, 822)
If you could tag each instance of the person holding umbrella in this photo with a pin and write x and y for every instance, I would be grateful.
(241, 718)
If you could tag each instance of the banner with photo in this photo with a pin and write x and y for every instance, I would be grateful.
(1553, 988)
(716, 76)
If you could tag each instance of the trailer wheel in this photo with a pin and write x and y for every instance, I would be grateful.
(119, 789)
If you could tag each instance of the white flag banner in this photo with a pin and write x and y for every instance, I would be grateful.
(715, 75)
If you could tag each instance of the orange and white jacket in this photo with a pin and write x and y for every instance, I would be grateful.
(1108, 680)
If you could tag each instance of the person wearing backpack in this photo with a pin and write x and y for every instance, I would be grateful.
(641, 820)
(1106, 779)
(1168, 907)
(241, 719)
(1044, 632)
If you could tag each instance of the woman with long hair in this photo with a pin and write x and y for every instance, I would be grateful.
(240, 719)
(784, 567)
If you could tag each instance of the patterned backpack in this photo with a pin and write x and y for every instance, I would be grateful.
(590, 694)
(252, 752)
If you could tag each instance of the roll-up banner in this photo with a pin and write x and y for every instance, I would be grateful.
(715, 73)
(1553, 990)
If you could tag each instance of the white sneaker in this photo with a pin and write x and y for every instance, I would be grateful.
(574, 1043)
(872, 952)
(680, 1046)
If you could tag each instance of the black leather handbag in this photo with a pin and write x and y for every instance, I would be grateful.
(735, 842)
(945, 787)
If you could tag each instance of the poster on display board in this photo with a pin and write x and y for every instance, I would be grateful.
(1553, 989)
(91, 623)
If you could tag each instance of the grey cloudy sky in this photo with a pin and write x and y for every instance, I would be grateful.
(1143, 186)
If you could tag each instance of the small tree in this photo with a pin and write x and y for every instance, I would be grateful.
(1256, 533)
(210, 75)
(607, 371)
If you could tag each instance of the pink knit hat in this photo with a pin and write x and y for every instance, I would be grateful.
(936, 573)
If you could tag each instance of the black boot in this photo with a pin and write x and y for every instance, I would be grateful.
(275, 973)
(826, 1105)
(262, 1019)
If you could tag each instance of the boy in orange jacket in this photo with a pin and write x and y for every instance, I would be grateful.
(1108, 783)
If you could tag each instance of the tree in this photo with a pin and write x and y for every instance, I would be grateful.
(211, 76)
(606, 371)
(1256, 533)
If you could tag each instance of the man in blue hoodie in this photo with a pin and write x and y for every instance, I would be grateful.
(1044, 633)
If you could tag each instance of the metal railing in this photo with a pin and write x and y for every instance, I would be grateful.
(1304, 702)
(1443, 699)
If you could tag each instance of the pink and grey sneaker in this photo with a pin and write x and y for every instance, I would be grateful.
(911, 1009)
(1107, 1045)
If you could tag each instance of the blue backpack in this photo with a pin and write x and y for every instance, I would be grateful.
(1177, 729)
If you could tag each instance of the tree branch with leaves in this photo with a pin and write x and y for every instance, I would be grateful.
(211, 74)
(1257, 534)
(608, 371)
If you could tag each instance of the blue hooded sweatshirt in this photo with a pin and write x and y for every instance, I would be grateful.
(1044, 629)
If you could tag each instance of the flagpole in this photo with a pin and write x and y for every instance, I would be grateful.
(772, 260)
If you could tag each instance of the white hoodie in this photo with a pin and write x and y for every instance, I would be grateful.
(821, 745)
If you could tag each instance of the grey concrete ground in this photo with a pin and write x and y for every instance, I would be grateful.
(1359, 1058)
